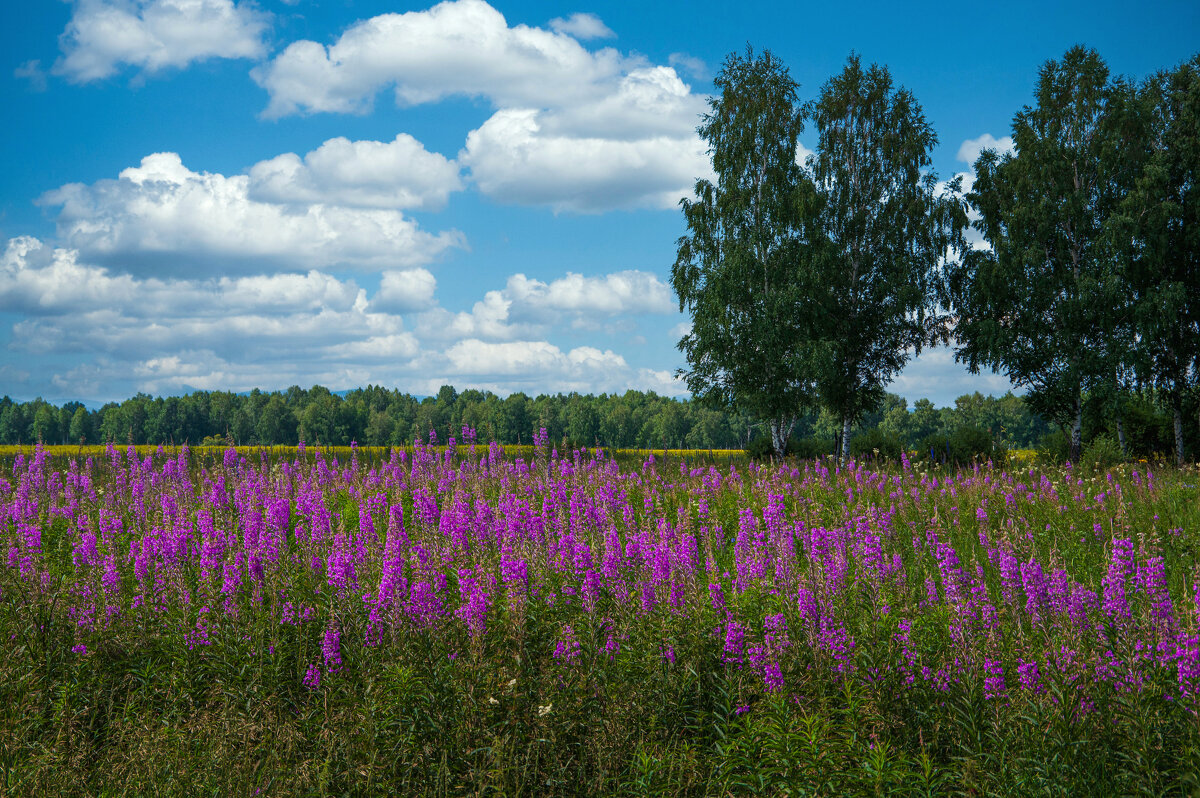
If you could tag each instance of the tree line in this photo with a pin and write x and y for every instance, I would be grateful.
(1070, 264)
(376, 416)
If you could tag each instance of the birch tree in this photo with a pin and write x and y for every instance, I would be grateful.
(889, 226)
(1043, 304)
(743, 269)
(1162, 217)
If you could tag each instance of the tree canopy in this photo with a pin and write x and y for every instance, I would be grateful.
(743, 268)
(889, 225)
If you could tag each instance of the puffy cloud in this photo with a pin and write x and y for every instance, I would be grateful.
(629, 291)
(373, 174)
(935, 376)
(583, 368)
(70, 306)
(410, 289)
(463, 47)
(118, 333)
(161, 216)
(527, 307)
(39, 281)
(514, 159)
(582, 26)
(664, 383)
(690, 64)
(969, 150)
(575, 130)
(156, 34)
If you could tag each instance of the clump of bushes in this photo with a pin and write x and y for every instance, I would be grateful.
(803, 448)
(1101, 453)
(963, 446)
(875, 444)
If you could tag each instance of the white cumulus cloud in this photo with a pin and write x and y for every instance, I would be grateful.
(582, 25)
(398, 174)
(513, 159)
(156, 34)
(526, 307)
(161, 216)
(574, 130)
(408, 289)
(969, 150)
(461, 47)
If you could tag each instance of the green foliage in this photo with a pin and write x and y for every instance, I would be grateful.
(1054, 447)
(1101, 453)
(742, 269)
(963, 446)
(888, 226)
(1156, 229)
(875, 444)
(761, 448)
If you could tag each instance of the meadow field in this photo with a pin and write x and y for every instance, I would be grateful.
(489, 620)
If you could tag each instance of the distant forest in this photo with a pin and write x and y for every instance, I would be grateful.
(376, 416)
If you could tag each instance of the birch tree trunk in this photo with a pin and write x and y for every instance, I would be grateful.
(778, 437)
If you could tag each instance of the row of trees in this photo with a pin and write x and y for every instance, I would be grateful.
(812, 283)
(378, 416)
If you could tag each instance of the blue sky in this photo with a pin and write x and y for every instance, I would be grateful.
(218, 194)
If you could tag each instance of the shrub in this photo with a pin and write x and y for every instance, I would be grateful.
(1053, 447)
(963, 446)
(759, 448)
(1101, 453)
(1148, 431)
(810, 448)
(875, 444)
(803, 448)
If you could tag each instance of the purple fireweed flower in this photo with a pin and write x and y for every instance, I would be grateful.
(1029, 676)
(1058, 594)
(807, 605)
(993, 681)
(1187, 664)
(566, 650)
(312, 677)
(1034, 581)
(1010, 575)
(199, 636)
(836, 641)
(1119, 568)
(735, 641)
(773, 677)
(331, 650)
(1154, 583)
(474, 609)
(716, 596)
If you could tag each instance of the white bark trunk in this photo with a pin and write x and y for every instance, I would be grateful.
(781, 429)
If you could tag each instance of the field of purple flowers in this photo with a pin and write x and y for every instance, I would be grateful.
(475, 624)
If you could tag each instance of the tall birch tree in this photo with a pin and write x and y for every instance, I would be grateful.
(890, 226)
(743, 269)
(1042, 305)
(1162, 217)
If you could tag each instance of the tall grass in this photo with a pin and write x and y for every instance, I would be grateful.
(447, 623)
